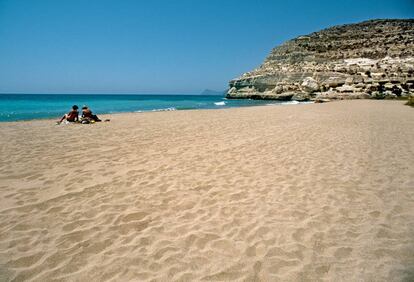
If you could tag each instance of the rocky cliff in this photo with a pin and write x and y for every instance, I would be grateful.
(371, 59)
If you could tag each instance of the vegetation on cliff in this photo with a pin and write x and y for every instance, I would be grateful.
(410, 101)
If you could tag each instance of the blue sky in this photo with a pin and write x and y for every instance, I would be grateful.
(158, 46)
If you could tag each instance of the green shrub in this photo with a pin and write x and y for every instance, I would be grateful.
(410, 101)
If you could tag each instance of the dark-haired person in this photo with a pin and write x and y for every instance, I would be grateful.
(87, 115)
(72, 116)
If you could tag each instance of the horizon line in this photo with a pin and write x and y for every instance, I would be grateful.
(183, 94)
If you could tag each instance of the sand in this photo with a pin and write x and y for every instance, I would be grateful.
(317, 192)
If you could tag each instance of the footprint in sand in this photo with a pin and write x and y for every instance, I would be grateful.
(342, 253)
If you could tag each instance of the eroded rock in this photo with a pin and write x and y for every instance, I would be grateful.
(310, 85)
(342, 62)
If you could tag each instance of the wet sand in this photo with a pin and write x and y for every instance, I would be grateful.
(317, 192)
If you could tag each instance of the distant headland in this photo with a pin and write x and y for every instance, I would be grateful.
(209, 92)
(371, 59)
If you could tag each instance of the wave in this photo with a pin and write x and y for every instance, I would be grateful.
(291, 103)
(222, 103)
(164, 109)
(155, 110)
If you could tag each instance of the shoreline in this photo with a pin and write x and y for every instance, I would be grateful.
(166, 110)
(266, 102)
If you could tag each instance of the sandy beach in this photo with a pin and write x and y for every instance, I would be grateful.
(313, 192)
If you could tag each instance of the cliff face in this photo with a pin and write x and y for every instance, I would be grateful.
(371, 59)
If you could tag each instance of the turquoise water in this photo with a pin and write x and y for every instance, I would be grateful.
(14, 107)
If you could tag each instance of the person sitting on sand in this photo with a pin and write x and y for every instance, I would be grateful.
(87, 114)
(72, 116)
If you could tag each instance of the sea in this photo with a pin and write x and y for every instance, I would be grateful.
(16, 107)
